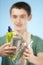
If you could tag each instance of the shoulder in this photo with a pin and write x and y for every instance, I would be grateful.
(38, 42)
(2, 37)
(36, 38)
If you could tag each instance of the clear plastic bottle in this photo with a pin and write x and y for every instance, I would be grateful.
(18, 41)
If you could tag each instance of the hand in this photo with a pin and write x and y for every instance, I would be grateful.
(28, 54)
(6, 50)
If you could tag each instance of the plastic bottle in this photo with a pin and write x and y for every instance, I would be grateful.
(9, 36)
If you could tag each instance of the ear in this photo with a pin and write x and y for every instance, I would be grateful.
(29, 17)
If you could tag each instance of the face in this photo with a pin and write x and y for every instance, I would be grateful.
(19, 18)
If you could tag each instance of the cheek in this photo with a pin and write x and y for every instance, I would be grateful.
(13, 20)
(25, 22)
(24, 25)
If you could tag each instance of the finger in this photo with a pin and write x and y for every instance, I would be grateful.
(24, 57)
(26, 54)
(5, 45)
(9, 52)
(10, 48)
(5, 54)
(27, 50)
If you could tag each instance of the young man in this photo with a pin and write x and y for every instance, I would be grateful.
(20, 14)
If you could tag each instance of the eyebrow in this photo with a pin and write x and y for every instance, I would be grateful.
(20, 15)
(23, 15)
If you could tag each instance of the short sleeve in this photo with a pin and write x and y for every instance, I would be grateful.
(39, 47)
(2, 40)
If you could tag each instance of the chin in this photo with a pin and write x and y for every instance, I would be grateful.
(18, 29)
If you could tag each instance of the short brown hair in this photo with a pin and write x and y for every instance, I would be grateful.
(22, 5)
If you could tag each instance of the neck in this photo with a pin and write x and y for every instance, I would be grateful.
(21, 32)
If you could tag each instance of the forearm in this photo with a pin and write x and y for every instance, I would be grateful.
(37, 60)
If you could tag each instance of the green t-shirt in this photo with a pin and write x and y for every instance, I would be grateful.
(37, 46)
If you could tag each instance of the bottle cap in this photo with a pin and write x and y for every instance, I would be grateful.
(9, 29)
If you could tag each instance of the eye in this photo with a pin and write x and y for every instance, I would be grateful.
(14, 16)
(22, 16)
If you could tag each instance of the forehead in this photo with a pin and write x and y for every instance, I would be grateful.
(16, 11)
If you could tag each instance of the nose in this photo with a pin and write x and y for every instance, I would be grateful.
(18, 19)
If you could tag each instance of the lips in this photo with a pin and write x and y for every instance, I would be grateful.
(18, 25)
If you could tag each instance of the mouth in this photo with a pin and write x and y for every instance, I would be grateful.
(18, 25)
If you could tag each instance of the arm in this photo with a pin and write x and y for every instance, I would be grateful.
(39, 59)
(36, 60)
